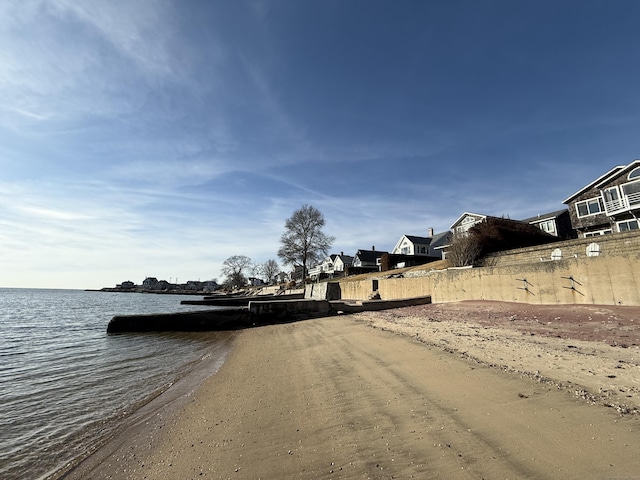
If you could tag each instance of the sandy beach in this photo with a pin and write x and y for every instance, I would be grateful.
(468, 390)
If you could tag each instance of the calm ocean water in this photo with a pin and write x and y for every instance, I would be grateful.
(65, 385)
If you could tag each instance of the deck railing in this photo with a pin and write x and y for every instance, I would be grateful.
(626, 202)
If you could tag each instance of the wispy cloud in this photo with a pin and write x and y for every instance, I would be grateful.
(160, 137)
(64, 60)
(140, 31)
(49, 214)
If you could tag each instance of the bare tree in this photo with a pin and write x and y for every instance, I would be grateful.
(464, 249)
(304, 241)
(233, 268)
(269, 270)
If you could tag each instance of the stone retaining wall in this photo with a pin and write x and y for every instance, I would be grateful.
(622, 244)
(611, 278)
(322, 291)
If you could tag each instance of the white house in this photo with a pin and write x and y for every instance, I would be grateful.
(341, 263)
(430, 246)
(324, 269)
(412, 245)
(466, 221)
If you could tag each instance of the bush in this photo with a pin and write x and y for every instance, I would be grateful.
(494, 235)
(499, 234)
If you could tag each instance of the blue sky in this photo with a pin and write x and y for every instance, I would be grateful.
(159, 137)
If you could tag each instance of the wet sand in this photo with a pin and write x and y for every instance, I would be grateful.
(429, 392)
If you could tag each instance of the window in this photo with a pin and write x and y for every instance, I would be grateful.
(597, 233)
(632, 192)
(556, 254)
(589, 207)
(466, 223)
(612, 199)
(631, 188)
(611, 194)
(635, 173)
(628, 225)
(548, 226)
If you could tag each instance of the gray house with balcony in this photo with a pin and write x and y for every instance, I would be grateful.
(609, 204)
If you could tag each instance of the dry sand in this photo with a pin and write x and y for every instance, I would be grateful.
(467, 391)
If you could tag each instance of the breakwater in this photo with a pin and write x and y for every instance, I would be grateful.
(240, 300)
(257, 313)
(202, 321)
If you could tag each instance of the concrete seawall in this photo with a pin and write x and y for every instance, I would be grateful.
(601, 271)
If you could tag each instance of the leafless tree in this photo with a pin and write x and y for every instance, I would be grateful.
(303, 241)
(233, 268)
(269, 270)
(464, 249)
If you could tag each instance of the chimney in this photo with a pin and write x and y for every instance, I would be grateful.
(373, 248)
(430, 232)
(342, 254)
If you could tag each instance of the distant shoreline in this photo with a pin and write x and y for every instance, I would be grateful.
(145, 290)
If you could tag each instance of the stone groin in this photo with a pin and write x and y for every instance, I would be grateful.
(197, 321)
(257, 313)
(241, 300)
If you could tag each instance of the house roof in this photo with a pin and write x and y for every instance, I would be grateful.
(421, 240)
(465, 214)
(598, 180)
(346, 259)
(441, 239)
(413, 239)
(330, 258)
(632, 166)
(545, 216)
(369, 255)
(438, 240)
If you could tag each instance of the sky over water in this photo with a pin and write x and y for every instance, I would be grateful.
(159, 137)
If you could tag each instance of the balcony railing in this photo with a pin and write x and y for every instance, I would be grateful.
(633, 199)
(627, 202)
(615, 206)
